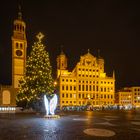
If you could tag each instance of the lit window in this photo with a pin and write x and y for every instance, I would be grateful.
(63, 95)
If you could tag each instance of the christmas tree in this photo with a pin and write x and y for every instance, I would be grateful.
(38, 77)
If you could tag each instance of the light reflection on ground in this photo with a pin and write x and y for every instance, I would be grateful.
(71, 126)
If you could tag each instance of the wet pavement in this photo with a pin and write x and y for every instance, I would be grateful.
(97, 125)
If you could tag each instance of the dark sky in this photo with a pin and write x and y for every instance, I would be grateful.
(113, 26)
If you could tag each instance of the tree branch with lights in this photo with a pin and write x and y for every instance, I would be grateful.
(38, 76)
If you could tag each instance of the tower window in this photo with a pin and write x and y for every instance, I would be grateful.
(16, 45)
(21, 46)
(17, 27)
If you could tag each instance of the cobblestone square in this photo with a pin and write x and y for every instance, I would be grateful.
(97, 125)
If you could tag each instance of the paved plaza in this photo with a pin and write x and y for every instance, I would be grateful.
(96, 125)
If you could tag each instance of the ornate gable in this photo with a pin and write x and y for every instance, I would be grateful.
(87, 60)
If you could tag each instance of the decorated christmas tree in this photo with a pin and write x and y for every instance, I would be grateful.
(38, 77)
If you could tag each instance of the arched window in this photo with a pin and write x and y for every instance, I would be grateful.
(6, 97)
(16, 45)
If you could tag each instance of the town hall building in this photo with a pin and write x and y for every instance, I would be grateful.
(87, 84)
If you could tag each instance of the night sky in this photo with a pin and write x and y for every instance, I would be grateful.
(111, 26)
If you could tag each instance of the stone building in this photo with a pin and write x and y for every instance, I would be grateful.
(128, 97)
(86, 84)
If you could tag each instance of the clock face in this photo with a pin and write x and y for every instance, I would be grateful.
(18, 52)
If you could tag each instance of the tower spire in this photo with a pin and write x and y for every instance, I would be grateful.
(19, 12)
(113, 74)
(99, 53)
(61, 47)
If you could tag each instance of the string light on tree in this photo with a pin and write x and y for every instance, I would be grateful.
(38, 77)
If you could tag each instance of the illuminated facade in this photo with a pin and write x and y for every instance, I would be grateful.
(129, 96)
(86, 84)
(19, 46)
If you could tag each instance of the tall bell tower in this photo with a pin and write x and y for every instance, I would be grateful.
(19, 47)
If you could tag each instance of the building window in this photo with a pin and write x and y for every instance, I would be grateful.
(66, 87)
(79, 95)
(82, 87)
(63, 87)
(86, 87)
(93, 87)
(67, 95)
(96, 88)
(70, 87)
(90, 88)
(62, 94)
(79, 87)
(101, 89)
(70, 95)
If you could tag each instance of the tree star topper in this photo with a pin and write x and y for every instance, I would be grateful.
(40, 36)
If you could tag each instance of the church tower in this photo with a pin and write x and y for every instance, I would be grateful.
(61, 63)
(19, 47)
